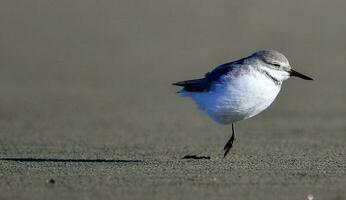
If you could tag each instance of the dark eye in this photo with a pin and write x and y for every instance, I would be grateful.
(276, 64)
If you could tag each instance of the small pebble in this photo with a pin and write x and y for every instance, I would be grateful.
(310, 197)
(51, 181)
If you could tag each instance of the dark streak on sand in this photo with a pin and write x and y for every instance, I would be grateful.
(56, 160)
(196, 157)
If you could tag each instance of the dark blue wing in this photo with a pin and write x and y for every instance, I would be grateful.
(203, 84)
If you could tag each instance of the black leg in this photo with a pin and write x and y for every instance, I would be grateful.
(229, 144)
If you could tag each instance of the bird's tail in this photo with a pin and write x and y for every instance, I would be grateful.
(195, 85)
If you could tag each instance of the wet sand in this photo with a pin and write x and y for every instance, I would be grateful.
(87, 110)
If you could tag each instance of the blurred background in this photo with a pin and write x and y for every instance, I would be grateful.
(92, 79)
(100, 72)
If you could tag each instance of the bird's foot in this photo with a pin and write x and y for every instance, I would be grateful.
(228, 146)
(195, 157)
(227, 150)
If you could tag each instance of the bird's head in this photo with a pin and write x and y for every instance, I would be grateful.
(276, 65)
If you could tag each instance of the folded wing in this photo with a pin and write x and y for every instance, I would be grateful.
(203, 84)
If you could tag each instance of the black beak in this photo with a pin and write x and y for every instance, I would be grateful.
(297, 74)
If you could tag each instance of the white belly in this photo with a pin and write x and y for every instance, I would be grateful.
(237, 98)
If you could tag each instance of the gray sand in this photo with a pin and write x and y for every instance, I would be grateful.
(84, 82)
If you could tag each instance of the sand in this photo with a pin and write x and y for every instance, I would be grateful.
(87, 110)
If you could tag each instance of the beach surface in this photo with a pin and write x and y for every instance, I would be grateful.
(87, 109)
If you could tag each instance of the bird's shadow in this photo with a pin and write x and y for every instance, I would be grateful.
(195, 157)
(58, 160)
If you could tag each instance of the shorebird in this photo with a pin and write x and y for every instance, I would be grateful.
(240, 89)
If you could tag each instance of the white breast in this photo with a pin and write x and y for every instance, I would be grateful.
(237, 98)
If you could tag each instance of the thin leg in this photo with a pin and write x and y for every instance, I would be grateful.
(229, 144)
